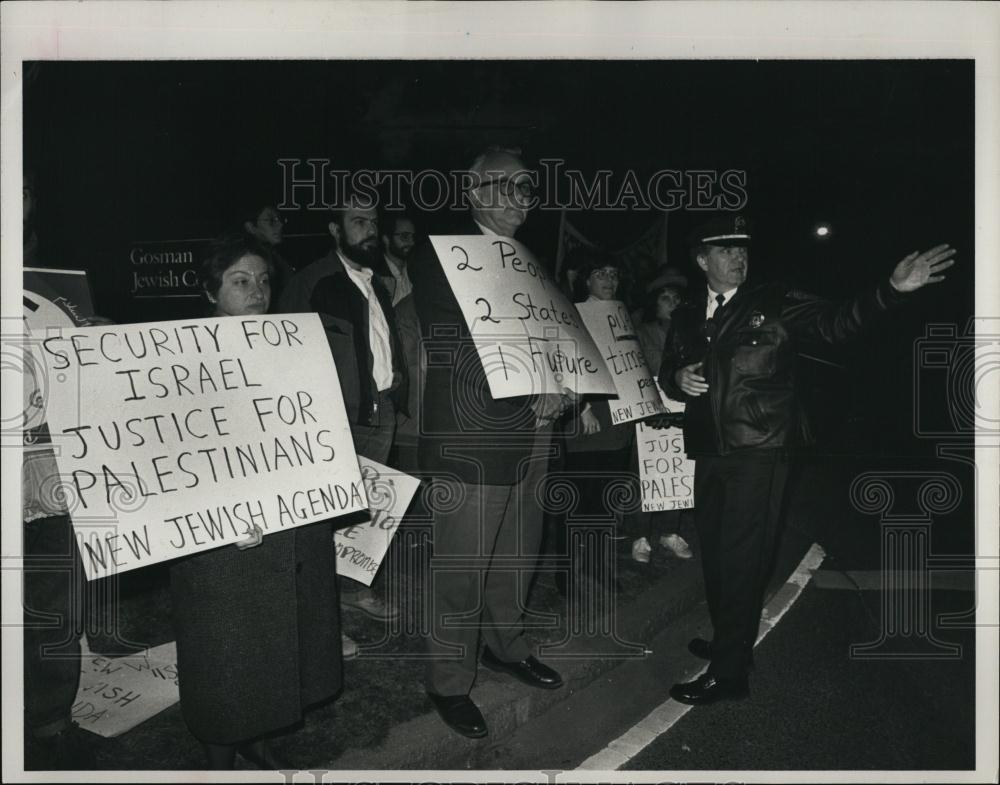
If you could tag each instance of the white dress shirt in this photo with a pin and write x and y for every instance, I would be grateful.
(378, 328)
(402, 278)
(713, 304)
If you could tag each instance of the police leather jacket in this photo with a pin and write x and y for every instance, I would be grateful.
(749, 350)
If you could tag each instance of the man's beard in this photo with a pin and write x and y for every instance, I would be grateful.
(369, 256)
(401, 253)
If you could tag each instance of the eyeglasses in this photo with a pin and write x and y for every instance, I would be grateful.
(404, 236)
(609, 274)
(518, 190)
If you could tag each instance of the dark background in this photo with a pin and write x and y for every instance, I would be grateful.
(881, 150)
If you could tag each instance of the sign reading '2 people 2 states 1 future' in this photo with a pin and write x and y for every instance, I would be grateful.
(529, 336)
(176, 437)
(611, 327)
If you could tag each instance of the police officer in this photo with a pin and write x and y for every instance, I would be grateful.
(730, 356)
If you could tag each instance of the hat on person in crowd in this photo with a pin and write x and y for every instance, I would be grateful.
(668, 276)
(724, 229)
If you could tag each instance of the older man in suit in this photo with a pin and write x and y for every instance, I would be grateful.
(488, 457)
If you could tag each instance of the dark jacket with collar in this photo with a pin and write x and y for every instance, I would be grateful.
(749, 363)
(465, 433)
(325, 288)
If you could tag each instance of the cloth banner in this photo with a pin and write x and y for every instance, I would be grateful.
(611, 328)
(177, 437)
(666, 474)
(569, 240)
(361, 548)
(641, 257)
(530, 338)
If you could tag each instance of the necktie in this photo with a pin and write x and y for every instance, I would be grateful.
(710, 323)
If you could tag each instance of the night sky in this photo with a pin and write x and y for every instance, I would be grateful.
(881, 150)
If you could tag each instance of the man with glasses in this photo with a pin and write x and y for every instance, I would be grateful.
(730, 355)
(264, 223)
(488, 457)
(399, 235)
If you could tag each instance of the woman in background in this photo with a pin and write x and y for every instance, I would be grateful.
(597, 452)
(257, 623)
(652, 323)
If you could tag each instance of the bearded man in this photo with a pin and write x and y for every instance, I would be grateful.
(360, 324)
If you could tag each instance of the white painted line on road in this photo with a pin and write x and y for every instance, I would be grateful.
(665, 716)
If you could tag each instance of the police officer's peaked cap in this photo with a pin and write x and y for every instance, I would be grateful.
(722, 229)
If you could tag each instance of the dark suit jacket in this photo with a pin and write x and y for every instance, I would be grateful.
(464, 432)
(749, 363)
(325, 288)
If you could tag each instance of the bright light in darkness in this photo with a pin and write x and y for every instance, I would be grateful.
(822, 230)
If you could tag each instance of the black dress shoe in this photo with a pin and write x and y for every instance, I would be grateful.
(709, 689)
(460, 714)
(529, 670)
(700, 647)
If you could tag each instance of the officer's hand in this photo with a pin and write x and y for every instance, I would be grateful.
(919, 269)
(690, 380)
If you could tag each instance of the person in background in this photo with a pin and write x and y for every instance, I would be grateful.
(652, 323)
(569, 271)
(597, 451)
(53, 580)
(262, 221)
(554, 539)
(398, 240)
(345, 289)
(257, 623)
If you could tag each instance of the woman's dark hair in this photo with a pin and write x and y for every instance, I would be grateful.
(224, 252)
(648, 304)
(585, 261)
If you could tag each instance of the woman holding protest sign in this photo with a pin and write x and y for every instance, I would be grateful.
(597, 452)
(652, 323)
(257, 625)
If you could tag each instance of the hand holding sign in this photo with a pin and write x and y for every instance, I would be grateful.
(529, 336)
(611, 328)
(666, 474)
(178, 437)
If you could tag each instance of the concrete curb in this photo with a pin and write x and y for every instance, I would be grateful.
(425, 742)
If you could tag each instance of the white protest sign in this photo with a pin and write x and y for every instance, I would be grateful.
(118, 693)
(529, 337)
(178, 437)
(666, 474)
(53, 300)
(361, 548)
(610, 325)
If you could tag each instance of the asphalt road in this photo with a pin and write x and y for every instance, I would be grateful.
(814, 705)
